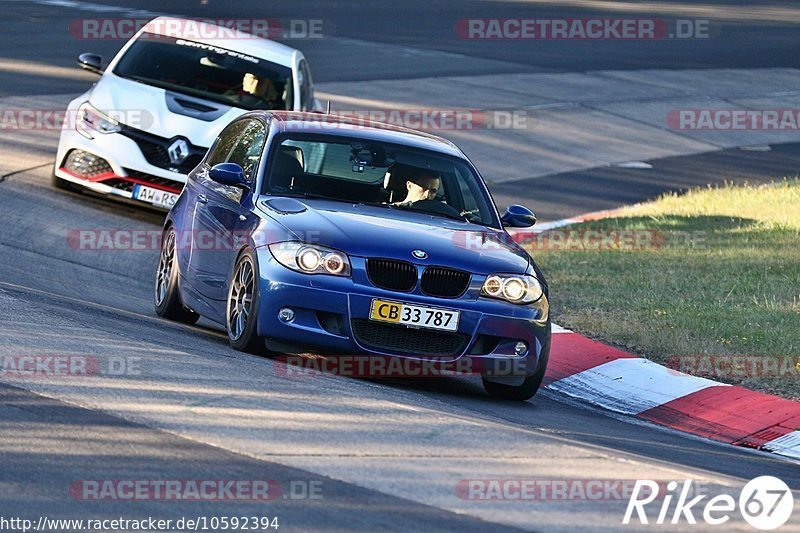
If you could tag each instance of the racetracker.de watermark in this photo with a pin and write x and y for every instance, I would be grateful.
(200, 28)
(56, 119)
(200, 490)
(142, 240)
(582, 240)
(548, 489)
(592, 240)
(581, 29)
(734, 119)
(69, 366)
(417, 119)
(401, 367)
(737, 366)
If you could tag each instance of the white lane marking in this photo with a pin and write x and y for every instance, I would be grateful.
(585, 217)
(544, 226)
(788, 445)
(756, 148)
(630, 386)
(558, 329)
(632, 164)
(555, 224)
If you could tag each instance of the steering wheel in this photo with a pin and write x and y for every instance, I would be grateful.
(436, 206)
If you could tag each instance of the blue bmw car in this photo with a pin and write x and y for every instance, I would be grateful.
(303, 231)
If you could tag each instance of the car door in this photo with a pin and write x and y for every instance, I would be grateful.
(236, 206)
(219, 218)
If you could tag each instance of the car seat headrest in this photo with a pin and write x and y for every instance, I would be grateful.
(287, 169)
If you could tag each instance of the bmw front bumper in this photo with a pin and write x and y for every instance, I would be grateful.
(331, 315)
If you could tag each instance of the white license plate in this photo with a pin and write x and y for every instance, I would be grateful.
(414, 315)
(155, 196)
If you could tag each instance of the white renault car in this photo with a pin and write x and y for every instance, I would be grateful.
(160, 103)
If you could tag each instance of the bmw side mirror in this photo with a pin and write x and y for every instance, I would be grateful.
(229, 174)
(91, 62)
(518, 216)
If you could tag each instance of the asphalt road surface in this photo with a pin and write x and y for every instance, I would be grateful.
(387, 455)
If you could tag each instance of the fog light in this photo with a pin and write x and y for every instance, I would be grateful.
(286, 314)
(521, 348)
(86, 165)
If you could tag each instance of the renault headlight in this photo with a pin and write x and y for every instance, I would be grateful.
(89, 120)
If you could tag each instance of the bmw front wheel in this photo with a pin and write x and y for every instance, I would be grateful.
(242, 310)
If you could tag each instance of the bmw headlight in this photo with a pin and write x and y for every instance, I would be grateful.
(89, 120)
(514, 288)
(310, 258)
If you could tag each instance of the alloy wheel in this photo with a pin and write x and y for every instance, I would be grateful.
(241, 298)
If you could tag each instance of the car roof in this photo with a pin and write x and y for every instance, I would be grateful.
(332, 124)
(231, 38)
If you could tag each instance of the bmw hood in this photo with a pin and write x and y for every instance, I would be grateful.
(372, 231)
(160, 112)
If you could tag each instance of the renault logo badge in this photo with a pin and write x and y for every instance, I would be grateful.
(178, 151)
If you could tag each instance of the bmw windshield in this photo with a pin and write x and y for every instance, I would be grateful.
(207, 71)
(350, 169)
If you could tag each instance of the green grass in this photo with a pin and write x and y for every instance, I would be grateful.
(723, 280)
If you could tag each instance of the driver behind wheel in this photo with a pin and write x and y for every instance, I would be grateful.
(256, 93)
(421, 195)
(423, 186)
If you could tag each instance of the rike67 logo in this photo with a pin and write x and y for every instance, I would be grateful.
(765, 503)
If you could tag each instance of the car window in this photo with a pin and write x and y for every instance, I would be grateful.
(352, 169)
(247, 150)
(335, 160)
(225, 142)
(207, 71)
(471, 195)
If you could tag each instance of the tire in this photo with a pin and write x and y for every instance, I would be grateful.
(525, 391)
(62, 185)
(167, 298)
(241, 312)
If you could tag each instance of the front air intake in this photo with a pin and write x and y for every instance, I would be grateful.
(445, 282)
(392, 275)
